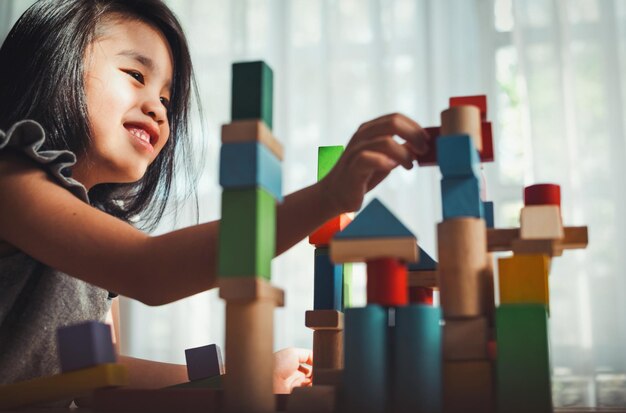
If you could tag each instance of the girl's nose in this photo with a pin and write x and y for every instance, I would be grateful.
(154, 108)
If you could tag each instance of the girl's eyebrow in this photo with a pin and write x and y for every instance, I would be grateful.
(142, 59)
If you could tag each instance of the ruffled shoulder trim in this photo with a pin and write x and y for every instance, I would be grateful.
(28, 136)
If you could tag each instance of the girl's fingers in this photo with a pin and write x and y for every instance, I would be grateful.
(395, 124)
(366, 163)
(389, 147)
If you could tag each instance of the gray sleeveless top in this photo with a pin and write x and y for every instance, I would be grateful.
(35, 299)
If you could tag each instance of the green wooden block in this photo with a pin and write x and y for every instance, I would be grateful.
(247, 236)
(252, 92)
(214, 382)
(347, 285)
(523, 366)
(327, 157)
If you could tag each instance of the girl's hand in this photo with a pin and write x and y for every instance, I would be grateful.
(370, 156)
(292, 368)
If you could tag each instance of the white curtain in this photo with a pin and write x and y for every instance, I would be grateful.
(554, 72)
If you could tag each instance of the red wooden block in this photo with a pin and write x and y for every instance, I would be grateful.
(387, 282)
(476, 100)
(421, 295)
(430, 157)
(323, 235)
(542, 194)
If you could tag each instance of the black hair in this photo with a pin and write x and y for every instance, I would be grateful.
(42, 78)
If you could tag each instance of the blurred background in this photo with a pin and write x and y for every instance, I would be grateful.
(555, 75)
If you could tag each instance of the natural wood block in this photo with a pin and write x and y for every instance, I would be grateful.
(315, 399)
(252, 91)
(501, 239)
(575, 237)
(541, 222)
(62, 386)
(327, 157)
(387, 282)
(322, 236)
(465, 339)
(428, 279)
(157, 400)
(324, 319)
(361, 250)
(523, 279)
(327, 349)
(463, 261)
(462, 120)
(328, 377)
(549, 247)
(249, 360)
(542, 194)
(480, 101)
(468, 386)
(245, 289)
(253, 130)
(247, 233)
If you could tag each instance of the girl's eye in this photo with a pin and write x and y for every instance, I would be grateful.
(165, 103)
(136, 75)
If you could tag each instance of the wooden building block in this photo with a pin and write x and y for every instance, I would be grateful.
(480, 101)
(249, 165)
(365, 372)
(157, 400)
(328, 282)
(486, 153)
(549, 247)
(204, 362)
(324, 319)
(430, 157)
(253, 130)
(501, 239)
(428, 279)
(542, 194)
(249, 348)
(468, 386)
(62, 386)
(465, 339)
(328, 349)
(425, 263)
(215, 382)
(523, 366)
(347, 285)
(316, 399)
(575, 238)
(375, 221)
(523, 279)
(463, 262)
(322, 236)
(252, 91)
(328, 377)
(85, 345)
(460, 197)
(246, 289)
(489, 214)
(421, 295)
(361, 250)
(417, 360)
(247, 235)
(462, 120)
(327, 157)
(457, 156)
(541, 222)
(387, 282)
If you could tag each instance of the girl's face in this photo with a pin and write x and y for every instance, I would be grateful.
(128, 73)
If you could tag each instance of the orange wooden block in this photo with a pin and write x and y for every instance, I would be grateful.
(523, 279)
(323, 235)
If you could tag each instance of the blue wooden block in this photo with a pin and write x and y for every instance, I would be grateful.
(328, 282)
(457, 156)
(375, 221)
(418, 360)
(204, 362)
(248, 165)
(460, 197)
(425, 263)
(489, 218)
(365, 363)
(85, 345)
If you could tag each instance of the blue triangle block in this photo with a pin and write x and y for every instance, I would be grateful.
(426, 263)
(375, 221)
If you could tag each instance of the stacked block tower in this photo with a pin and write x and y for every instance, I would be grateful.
(250, 174)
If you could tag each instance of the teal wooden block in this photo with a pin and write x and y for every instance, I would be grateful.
(327, 157)
(252, 92)
(460, 197)
(457, 156)
(523, 365)
(489, 217)
(328, 282)
(365, 353)
(425, 263)
(247, 236)
(418, 360)
(248, 165)
(375, 221)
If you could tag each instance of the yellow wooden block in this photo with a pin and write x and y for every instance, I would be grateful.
(524, 279)
(62, 386)
(541, 222)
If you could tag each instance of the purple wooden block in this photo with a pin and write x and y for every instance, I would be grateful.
(204, 362)
(85, 345)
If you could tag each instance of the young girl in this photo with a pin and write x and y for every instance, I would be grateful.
(94, 105)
